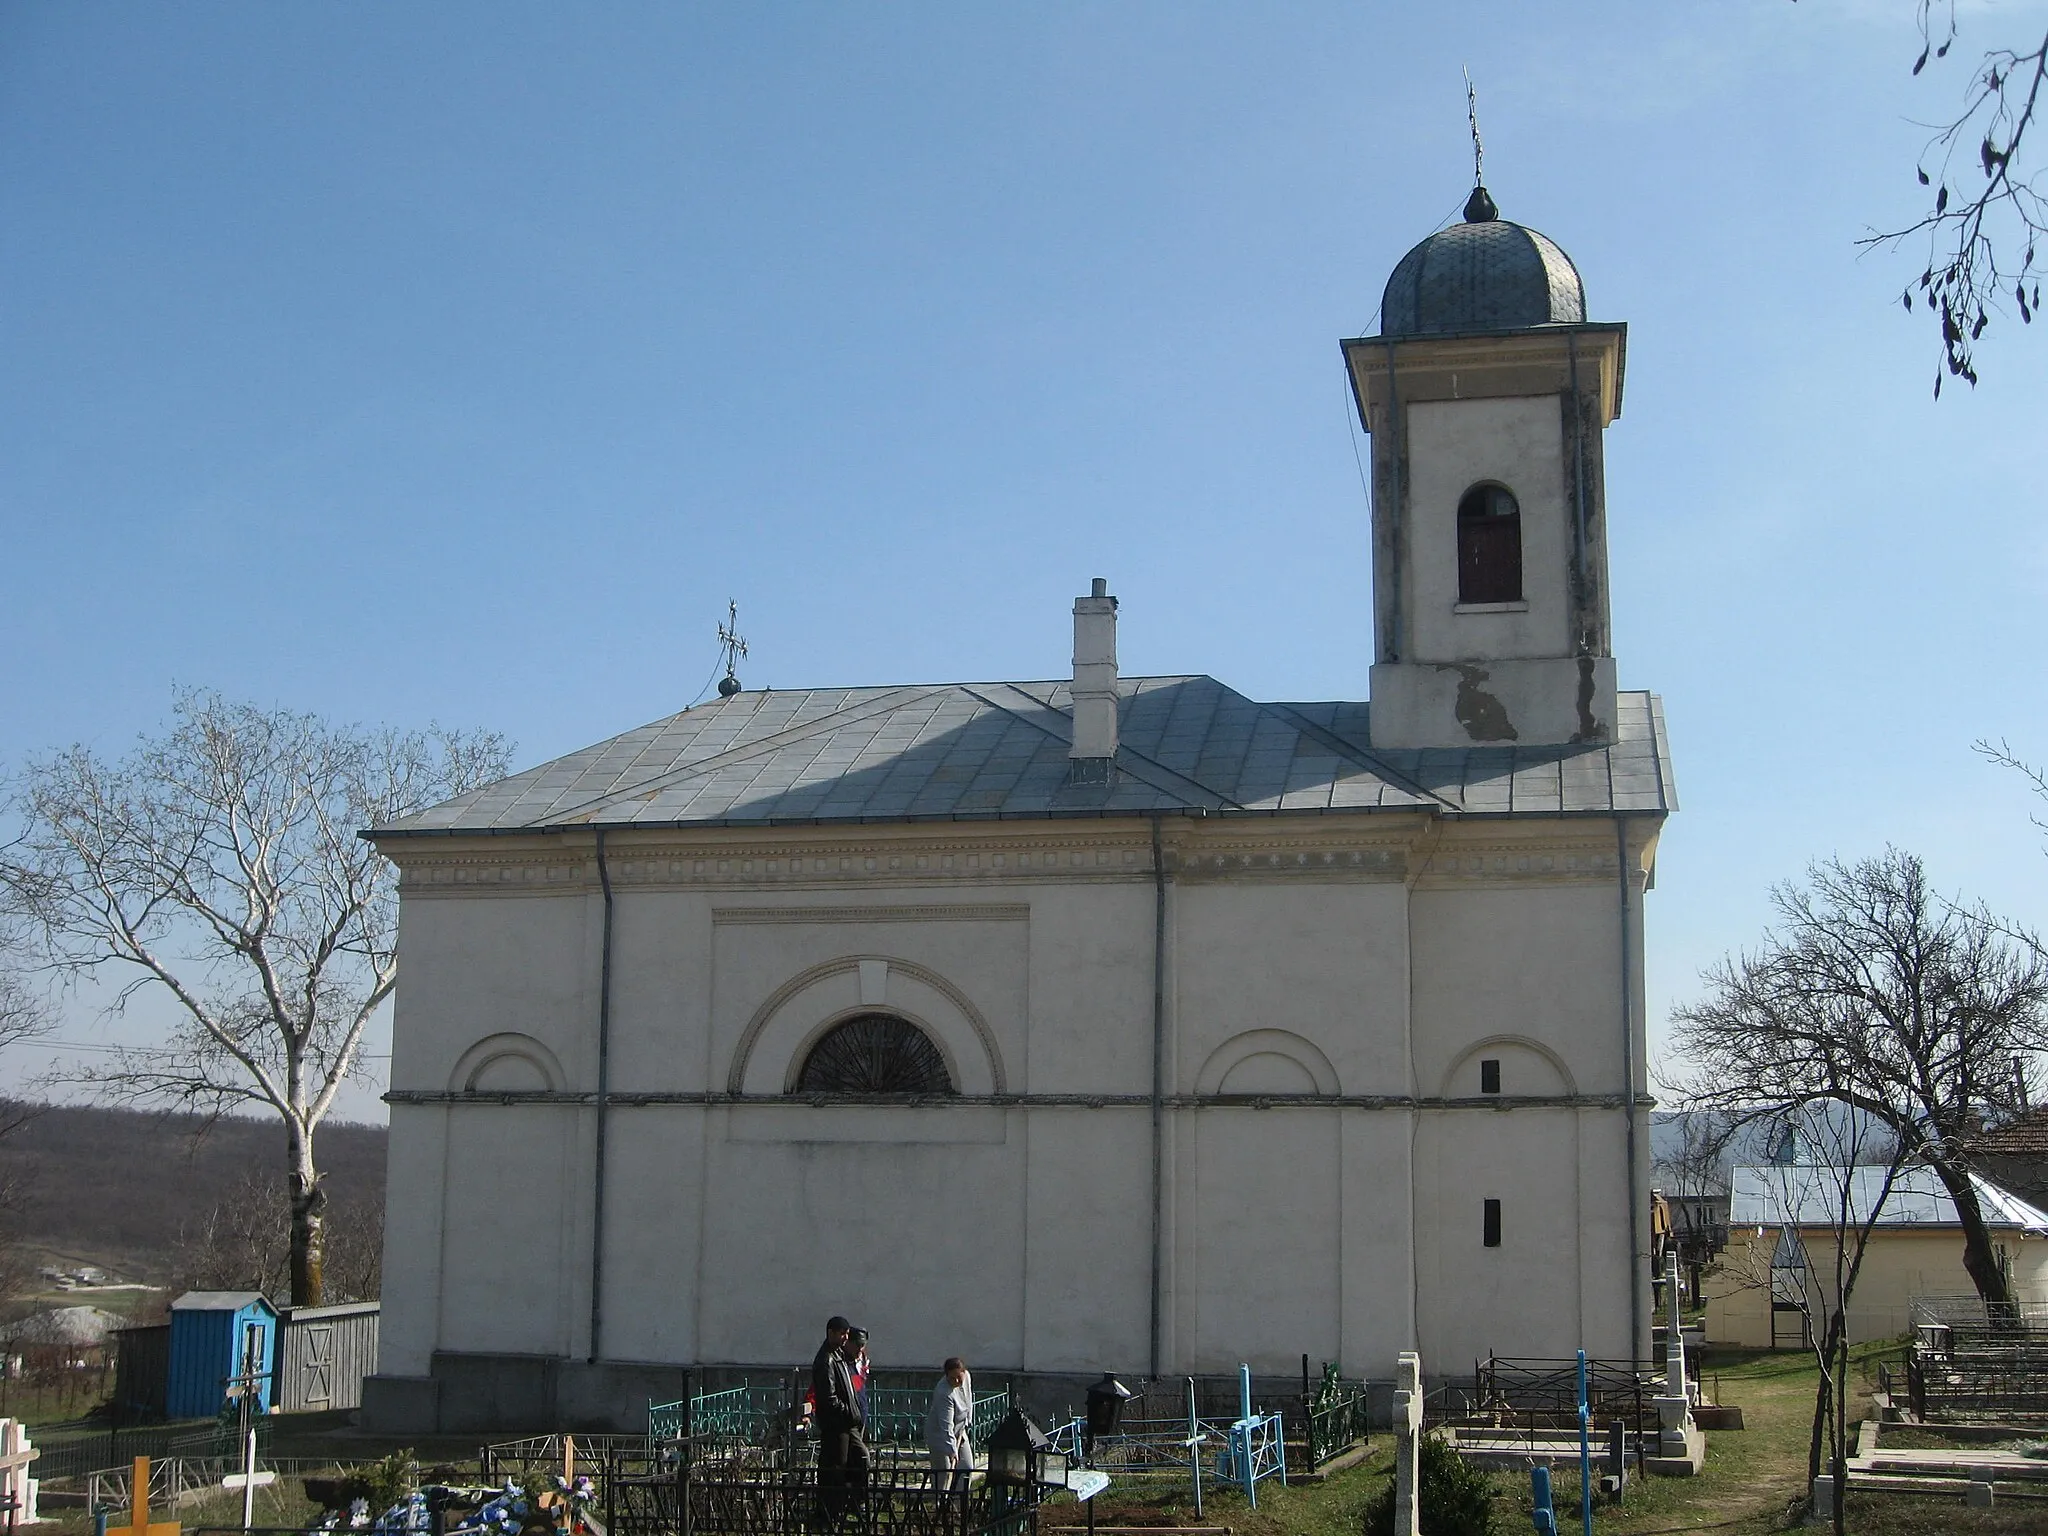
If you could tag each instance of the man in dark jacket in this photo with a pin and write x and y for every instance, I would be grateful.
(842, 1452)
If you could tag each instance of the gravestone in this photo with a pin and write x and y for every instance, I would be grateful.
(1408, 1444)
(1681, 1448)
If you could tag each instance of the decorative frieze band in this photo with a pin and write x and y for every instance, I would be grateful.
(1491, 1101)
(950, 912)
(1196, 854)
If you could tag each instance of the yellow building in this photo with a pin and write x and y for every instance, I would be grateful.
(1779, 1267)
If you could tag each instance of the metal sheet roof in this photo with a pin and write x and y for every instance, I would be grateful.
(219, 1301)
(995, 750)
(1802, 1195)
(1478, 276)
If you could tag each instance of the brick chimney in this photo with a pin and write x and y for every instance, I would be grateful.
(1094, 749)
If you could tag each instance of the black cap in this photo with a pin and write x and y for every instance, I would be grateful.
(837, 1324)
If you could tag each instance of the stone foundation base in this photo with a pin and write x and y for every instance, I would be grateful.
(508, 1395)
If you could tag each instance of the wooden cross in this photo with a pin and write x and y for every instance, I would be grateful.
(138, 1504)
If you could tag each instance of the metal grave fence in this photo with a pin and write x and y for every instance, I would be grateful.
(1534, 1394)
(1255, 1445)
(765, 1417)
(1973, 1362)
(95, 1449)
(1333, 1417)
(605, 1459)
(897, 1500)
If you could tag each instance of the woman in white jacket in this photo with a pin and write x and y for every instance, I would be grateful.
(945, 1428)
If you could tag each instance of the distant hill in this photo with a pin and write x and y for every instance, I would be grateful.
(118, 1187)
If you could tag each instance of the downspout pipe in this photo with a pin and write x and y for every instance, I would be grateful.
(1395, 553)
(1571, 342)
(604, 1086)
(1628, 1097)
(1158, 1094)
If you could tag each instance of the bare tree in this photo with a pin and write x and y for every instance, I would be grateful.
(2003, 755)
(24, 1015)
(355, 1261)
(242, 1242)
(218, 865)
(1988, 209)
(1694, 1162)
(1807, 1250)
(1877, 994)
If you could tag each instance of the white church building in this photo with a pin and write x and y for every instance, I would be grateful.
(1102, 1022)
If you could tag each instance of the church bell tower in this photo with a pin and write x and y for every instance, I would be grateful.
(1486, 395)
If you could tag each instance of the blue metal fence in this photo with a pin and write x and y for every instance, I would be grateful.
(749, 1414)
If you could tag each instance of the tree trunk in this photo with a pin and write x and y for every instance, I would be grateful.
(309, 1222)
(1823, 1397)
(1838, 1422)
(1979, 1259)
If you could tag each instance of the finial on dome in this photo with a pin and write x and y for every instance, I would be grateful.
(1479, 207)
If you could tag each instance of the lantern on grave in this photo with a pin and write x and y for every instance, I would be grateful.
(1016, 1452)
(1106, 1401)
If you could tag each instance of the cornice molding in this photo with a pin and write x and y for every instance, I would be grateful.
(1418, 849)
(571, 1099)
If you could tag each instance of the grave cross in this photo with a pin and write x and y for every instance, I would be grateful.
(138, 1504)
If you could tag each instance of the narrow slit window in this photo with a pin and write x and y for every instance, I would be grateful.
(1489, 546)
(1489, 1075)
(1491, 1237)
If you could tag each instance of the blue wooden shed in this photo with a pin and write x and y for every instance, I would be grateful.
(207, 1332)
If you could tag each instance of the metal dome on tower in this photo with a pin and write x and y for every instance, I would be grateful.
(1484, 274)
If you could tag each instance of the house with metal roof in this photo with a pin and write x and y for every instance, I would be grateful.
(1775, 1279)
(1094, 1022)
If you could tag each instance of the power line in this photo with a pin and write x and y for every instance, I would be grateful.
(110, 1050)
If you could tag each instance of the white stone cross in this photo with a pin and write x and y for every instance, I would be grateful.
(1408, 1448)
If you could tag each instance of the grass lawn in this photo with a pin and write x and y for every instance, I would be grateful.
(281, 1505)
(1333, 1508)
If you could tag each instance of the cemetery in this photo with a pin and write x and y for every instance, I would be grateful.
(1254, 1455)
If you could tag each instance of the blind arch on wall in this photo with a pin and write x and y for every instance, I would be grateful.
(507, 1062)
(1528, 1067)
(1247, 1046)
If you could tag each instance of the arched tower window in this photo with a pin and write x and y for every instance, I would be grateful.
(874, 1053)
(1489, 546)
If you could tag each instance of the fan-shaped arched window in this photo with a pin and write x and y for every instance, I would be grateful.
(874, 1053)
(1489, 546)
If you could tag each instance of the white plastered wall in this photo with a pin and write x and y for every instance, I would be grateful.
(1018, 1236)
(1528, 974)
(1453, 445)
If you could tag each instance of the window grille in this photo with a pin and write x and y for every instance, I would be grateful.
(874, 1053)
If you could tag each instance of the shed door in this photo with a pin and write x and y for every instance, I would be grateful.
(316, 1364)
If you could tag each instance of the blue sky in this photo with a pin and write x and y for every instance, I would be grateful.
(459, 362)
